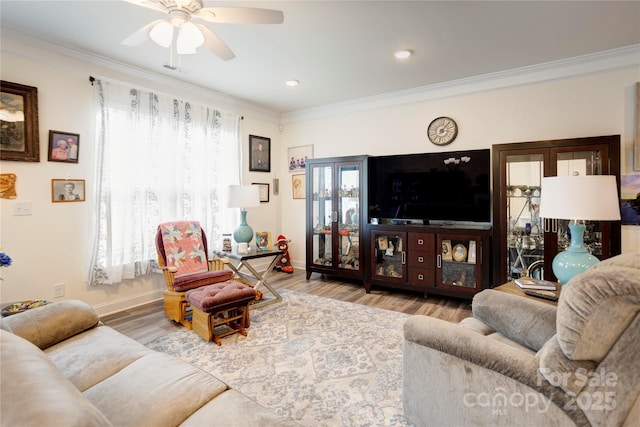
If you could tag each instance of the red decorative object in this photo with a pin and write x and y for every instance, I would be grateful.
(284, 264)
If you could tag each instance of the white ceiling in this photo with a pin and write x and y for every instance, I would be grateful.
(342, 50)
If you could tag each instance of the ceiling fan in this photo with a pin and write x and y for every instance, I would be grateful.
(191, 36)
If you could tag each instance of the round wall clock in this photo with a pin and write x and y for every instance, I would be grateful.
(442, 131)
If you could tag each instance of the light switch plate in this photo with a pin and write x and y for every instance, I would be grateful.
(22, 208)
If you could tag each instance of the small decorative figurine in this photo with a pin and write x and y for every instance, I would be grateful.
(284, 264)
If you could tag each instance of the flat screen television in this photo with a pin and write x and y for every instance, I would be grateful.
(431, 188)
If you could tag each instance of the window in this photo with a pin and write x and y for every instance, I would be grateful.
(158, 159)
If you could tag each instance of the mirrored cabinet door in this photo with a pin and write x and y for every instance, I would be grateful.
(335, 216)
(349, 176)
(524, 229)
(322, 213)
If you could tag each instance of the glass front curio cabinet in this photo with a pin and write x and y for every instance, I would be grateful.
(525, 243)
(335, 200)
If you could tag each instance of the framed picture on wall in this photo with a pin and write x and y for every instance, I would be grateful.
(297, 157)
(259, 154)
(67, 190)
(63, 146)
(19, 136)
(298, 183)
(264, 191)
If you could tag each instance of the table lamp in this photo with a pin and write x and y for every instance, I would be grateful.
(243, 196)
(578, 199)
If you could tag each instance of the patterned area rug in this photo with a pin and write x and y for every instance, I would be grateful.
(317, 360)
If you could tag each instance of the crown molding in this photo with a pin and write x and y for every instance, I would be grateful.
(565, 68)
(217, 99)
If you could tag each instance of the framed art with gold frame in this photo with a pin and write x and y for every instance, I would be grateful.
(298, 184)
(19, 131)
(459, 252)
(67, 190)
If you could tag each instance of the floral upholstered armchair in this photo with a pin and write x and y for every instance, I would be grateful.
(182, 256)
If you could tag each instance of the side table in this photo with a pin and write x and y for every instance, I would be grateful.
(244, 262)
(512, 288)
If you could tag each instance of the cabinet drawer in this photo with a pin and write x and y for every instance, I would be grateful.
(422, 259)
(422, 276)
(421, 241)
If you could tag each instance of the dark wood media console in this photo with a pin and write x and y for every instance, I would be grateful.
(450, 261)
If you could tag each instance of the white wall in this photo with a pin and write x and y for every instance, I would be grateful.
(52, 245)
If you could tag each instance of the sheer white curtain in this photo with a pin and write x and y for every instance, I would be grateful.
(158, 159)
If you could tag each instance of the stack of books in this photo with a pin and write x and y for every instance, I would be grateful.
(531, 283)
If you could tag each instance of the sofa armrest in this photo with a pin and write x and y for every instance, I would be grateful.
(50, 324)
(473, 347)
(523, 320)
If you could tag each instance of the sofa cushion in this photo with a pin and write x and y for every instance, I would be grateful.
(47, 325)
(233, 409)
(527, 322)
(595, 307)
(570, 375)
(35, 393)
(88, 358)
(155, 390)
(192, 281)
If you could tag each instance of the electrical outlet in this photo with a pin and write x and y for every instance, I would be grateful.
(58, 290)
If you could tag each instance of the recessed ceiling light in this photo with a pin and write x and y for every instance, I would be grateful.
(403, 53)
(292, 83)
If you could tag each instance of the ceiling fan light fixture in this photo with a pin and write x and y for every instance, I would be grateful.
(189, 38)
(403, 53)
(162, 33)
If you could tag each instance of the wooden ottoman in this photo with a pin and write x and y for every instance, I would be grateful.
(224, 303)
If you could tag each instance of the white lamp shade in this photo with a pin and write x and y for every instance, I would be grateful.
(189, 38)
(590, 198)
(243, 196)
(162, 33)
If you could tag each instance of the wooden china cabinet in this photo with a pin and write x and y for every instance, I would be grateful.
(521, 238)
(336, 198)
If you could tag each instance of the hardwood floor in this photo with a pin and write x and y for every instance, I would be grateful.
(148, 322)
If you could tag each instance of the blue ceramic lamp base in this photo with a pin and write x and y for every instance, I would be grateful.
(575, 259)
(243, 234)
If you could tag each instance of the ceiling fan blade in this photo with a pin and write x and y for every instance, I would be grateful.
(150, 4)
(240, 15)
(215, 44)
(140, 36)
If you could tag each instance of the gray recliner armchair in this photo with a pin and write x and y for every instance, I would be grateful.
(522, 362)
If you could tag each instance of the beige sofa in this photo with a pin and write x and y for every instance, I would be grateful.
(61, 367)
(522, 362)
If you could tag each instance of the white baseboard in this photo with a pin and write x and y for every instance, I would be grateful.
(127, 303)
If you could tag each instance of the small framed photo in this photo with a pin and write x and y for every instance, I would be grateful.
(298, 183)
(63, 146)
(297, 157)
(471, 257)
(264, 191)
(460, 252)
(67, 190)
(446, 250)
(259, 154)
(263, 240)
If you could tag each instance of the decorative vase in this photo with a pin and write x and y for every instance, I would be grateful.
(244, 233)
